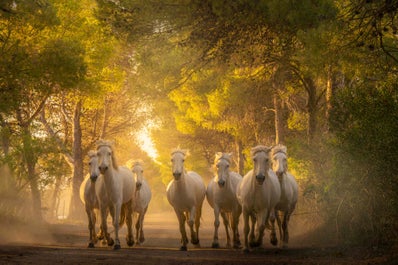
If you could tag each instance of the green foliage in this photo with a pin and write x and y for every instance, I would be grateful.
(364, 122)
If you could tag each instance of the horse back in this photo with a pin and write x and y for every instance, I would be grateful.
(127, 183)
(142, 197)
(196, 182)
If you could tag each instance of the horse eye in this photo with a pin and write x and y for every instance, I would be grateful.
(142, 171)
(109, 154)
(266, 160)
(89, 163)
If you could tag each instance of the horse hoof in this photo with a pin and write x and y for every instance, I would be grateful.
(274, 241)
(116, 247)
(111, 242)
(183, 248)
(195, 241)
(215, 245)
(130, 243)
(246, 250)
(237, 246)
(90, 245)
(254, 244)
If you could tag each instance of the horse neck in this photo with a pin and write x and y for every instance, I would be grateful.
(181, 183)
(257, 188)
(109, 178)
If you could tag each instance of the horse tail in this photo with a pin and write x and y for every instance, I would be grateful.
(122, 217)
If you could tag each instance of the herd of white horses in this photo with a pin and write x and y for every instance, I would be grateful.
(265, 194)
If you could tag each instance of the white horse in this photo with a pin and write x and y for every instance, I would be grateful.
(289, 191)
(119, 184)
(258, 193)
(186, 193)
(221, 195)
(89, 198)
(141, 200)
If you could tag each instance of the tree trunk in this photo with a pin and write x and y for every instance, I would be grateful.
(241, 159)
(76, 208)
(329, 94)
(311, 109)
(55, 197)
(279, 130)
(30, 162)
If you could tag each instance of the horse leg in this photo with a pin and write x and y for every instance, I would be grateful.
(252, 230)
(118, 207)
(104, 226)
(246, 229)
(181, 222)
(215, 243)
(129, 222)
(279, 222)
(141, 239)
(273, 238)
(285, 227)
(226, 224)
(197, 222)
(137, 226)
(191, 222)
(235, 228)
(100, 234)
(262, 223)
(90, 227)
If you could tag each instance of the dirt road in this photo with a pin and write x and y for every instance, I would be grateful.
(65, 243)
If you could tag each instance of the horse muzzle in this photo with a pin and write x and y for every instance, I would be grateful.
(260, 179)
(221, 183)
(93, 177)
(103, 169)
(138, 185)
(177, 176)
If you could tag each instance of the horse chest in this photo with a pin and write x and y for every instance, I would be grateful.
(180, 198)
(225, 199)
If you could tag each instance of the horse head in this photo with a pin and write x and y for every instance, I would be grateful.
(106, 157)
(279, 160)
(260, 155)
(93, 165)
(222, 162)
(138, 172)
(177, 161)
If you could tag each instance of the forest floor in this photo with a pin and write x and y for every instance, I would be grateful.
(66, 243)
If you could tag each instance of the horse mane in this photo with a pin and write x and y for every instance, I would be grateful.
(221, 155)
(279, 148)
(260, 148)
(185, 152)
(137, 162)
(91, 153)
(109, 144)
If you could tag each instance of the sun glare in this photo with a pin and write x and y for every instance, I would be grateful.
(146, 144)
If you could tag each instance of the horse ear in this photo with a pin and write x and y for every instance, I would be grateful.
(92, 153)
(186, 152)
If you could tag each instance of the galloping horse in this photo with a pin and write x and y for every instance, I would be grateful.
(119, 184)
(221, 195)
(186, 193)
(89, 198)
(141, 200)
(258, 193)
(289, 191)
